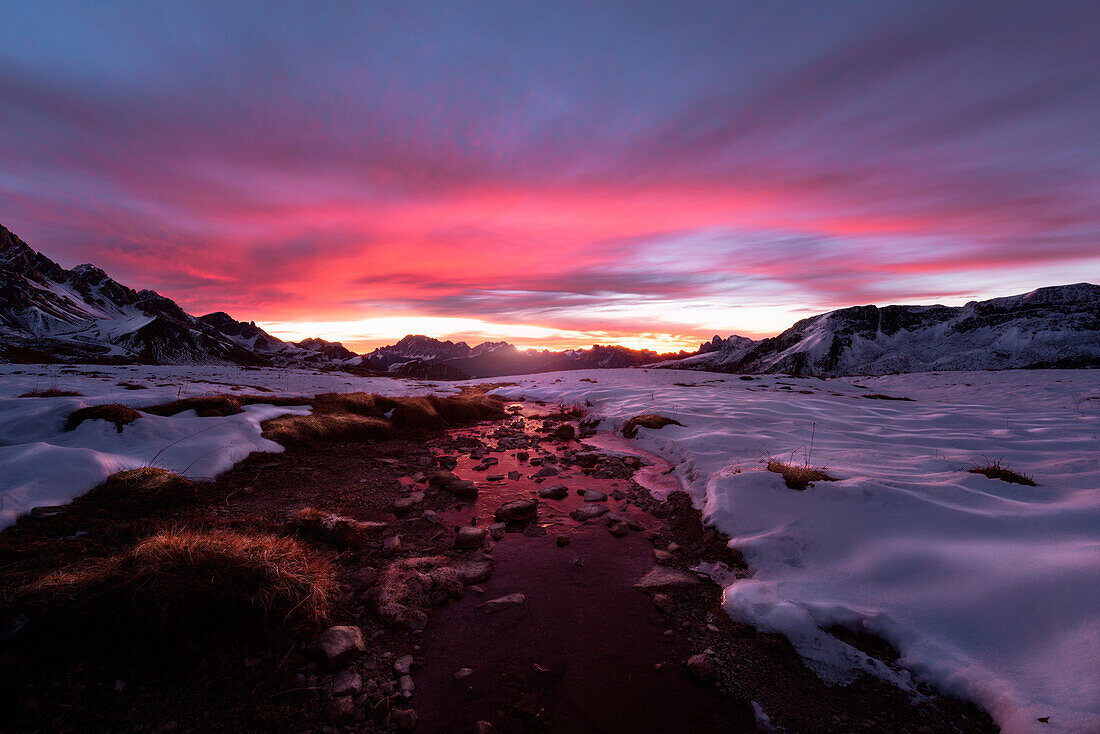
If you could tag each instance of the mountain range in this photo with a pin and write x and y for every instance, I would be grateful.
(49, 314)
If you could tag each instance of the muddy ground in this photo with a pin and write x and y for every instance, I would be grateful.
(537, 626)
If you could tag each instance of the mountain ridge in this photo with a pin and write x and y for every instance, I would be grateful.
(48, 313)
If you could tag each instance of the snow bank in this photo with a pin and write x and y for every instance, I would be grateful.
(42, 464)
(989, 590)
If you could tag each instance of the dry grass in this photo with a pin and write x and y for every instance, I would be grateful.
(217, 406)
(120, 415)
(995, 470)
(880, 396)
(799, 476)
(53, 392)
(365, 416)
(648, 420)
(295, 429)
(142, 490)
(187, 585)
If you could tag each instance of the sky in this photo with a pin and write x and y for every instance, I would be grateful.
(556, 174)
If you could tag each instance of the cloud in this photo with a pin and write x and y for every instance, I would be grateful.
(574, 168)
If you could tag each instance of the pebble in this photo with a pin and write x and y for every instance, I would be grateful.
(405, 719)
(619, 529)
(562, 541)
(403, 664)
(346, 683)
(470, 537)
(463, 673)
(336, 646)
(592, 495)
(701, 667)
(503, 602)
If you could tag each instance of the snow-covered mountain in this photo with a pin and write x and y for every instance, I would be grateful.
(49, 313)
(422, 356)
(1057, 326)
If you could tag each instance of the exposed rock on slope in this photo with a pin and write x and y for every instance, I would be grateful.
(1057, 326)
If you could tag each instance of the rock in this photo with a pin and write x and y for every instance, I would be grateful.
(662, 556)
(490, 461)
(619, 529)
(463, 673)
(592, 495)
(403, 505)
(406, 686)
(404, 719)
(663, 578)
(442, 478)
(336, 646)
(587, 512)
(391, 545)
(562, 541)
(554, 492)
(546, 471)
(586, 458)
(523, 455)
(340, 710)
(503, 602)
(701, 667)
(664, 603)
(494, 478)
(346, 683)
(496, 530)
(473, 572)
(514, 475)
(470, 537)
(483, 727)
(362, 578)
(403, 664)
(461, 488)
(517, 511)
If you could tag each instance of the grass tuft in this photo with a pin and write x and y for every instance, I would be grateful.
(182, 585)
(799, 476)
(53, 392)
(120, 415)
(142, 490)
(995, 470)
(648, 420)
(219, 406)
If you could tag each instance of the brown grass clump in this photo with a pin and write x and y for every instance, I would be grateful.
(188, 585)
(469, 408)
(294, 429)
(334, 530)
(364, 416)
(53, 392)
(799, 476)
(648, 420)
(120, 415)
(144, 489)
(994, 470)
(218, 406)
